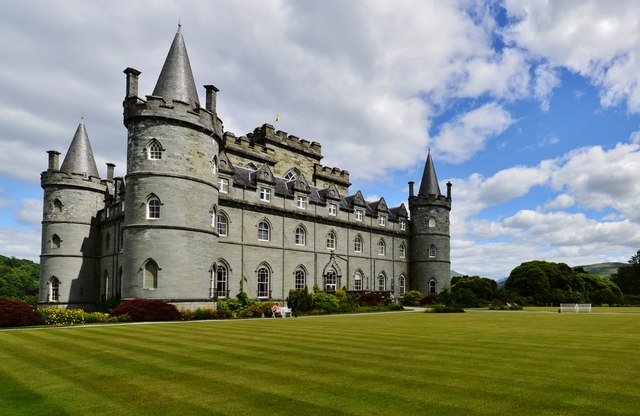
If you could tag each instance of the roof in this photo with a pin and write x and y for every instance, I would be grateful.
(429, 184)
(79, 157)
(176, 79)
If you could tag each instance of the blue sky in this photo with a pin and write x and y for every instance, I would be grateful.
(530, 108)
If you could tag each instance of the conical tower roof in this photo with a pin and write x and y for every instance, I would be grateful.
(429, 184)
(176, 79)
(79, 158)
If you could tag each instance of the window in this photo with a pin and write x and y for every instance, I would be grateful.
(57, 204)
(382, 282)
(382, 248)
(153, 208)
(301, 202)
(291, 175)
(432, 222)
(358, 215)
(263, 231)
(330, 280)
(54, 289)
(155, 150)
(357, 244)
(214, 165)
(403, 251)
(333, 209)
(331, 241)
(382, 220)
(265, 194)
(222, 223)
(403, 225)
(357, 281)
(263, 282)
(301, 236)
(222, 277)
(402, 282)
(300, 280)
(223, 185)
(150, 279)
(432, 286)
(55, 241)
(106, 284)
(432, 251)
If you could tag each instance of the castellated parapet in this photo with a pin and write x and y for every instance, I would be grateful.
(324, 176)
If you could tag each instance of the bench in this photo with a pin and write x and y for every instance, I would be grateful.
(280, 311)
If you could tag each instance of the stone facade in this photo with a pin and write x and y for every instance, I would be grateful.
(202, 214)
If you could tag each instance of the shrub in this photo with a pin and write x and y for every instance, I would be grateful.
(445, 309)
(61, 317)
(300, 301)
(15, 313)
(430, 299)
(224, 314)
(395, 307)
(143, 310)
(187, 314)
(95, 317)
(412, 298)
(371, 299)
(205, 313)
(326, 301)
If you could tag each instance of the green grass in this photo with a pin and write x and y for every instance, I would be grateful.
(399, 363)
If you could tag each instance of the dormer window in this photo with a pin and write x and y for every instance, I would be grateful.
(154, 151)
(403, 225)
(382, 220)
(223, 185)
(333, 209)
(358, 215)
(265, 194)
(292, 175)
(301, 202)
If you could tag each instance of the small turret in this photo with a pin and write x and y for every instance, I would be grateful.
(429, 184)
(79, 158)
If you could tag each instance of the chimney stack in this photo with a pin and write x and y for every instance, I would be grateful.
(54, 160)
(132, 82)
(211, 98)
(110, 168)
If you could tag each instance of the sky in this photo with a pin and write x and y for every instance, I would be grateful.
(530, 108)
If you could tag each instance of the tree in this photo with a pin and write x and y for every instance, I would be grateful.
(484, 289)
(635, 259)
(628, 279)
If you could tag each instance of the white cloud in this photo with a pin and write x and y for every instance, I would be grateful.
(30, 213)
(562, 201)
(20, 244)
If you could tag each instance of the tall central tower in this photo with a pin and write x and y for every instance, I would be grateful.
(169, 233)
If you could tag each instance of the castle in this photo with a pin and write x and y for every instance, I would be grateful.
(202, 214)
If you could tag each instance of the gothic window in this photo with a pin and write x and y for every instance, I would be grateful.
(330, 281)
(382, 220)
(222, 279)
(222, 224)
(301, 236)
(57, 204)
(301, 202)
(331, 240)
(150, 279)
(382, 282)
(333, 209)
(432, 286)
(432, 222)
(54, 289)
(263, 282)
(264, 231)
(55, 241)
(153, 208)
(402, 250)
(402, 282)
(300, 278)
(357, 281)
(432, 251)
(265, 194)
(382, 248)
(357, 244)
(291, 175)
(223, 185)
(154, 151)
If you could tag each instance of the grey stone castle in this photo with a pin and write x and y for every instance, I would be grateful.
(202, 214)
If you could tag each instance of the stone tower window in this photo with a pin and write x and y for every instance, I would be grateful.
(331, 240)
(57, 205)
(300, 278)
(264, 232)
(222, 223)
(55, 241)
(153, 208)
(432, 251)
(214, 165)
(154, 151)
(357, 244)
(263, 282)
(432, 222)
(54, 289)
(301, 236)
(150, 278)
(222, 278)
(432, 286)
(402, 283)
(382, 248)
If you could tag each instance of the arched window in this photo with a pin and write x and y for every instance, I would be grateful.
(432, 286)
(357, 281)
(402, 251)
(154, 151)
(222, 279)
(55, 241)
(432, 222)
(150, 279)
(214, 165)
(432, 251)
(301, 236)
(222, 224)
(300, 278)
(153, 208)
(263, 282)
(382, 248)
(330, 281)
(57, 204)
(331, 240)
(106, 284)
(54, 289)
(357, 244)
(264, 231)
(291, 175)
(402, 282)
(382, 282)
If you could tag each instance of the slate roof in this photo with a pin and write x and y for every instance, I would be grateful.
(79, 157)
(429, 184)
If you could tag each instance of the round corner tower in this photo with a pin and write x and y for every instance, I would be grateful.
(171, 185)
(430, 234)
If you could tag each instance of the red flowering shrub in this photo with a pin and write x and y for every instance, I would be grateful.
(430, 299)
(371, 299)
(14, 313)
(144, 310)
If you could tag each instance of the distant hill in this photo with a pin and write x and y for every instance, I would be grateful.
(603, 269)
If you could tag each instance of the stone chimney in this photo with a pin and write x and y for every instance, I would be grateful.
(211, 98)
(132, 82)
(54, 160)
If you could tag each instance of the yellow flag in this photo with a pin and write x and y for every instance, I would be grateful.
(277, 117)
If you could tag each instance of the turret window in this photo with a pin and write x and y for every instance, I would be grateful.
(55, 241)
(432, 251)
(222, 277)
(154, 151)
(54, 289)
(57, 205)
(432, 287)
(150, 278)
(222, 225)
(153, 208)
(432, 222)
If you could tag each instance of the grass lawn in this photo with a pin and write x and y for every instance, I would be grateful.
(485, 363)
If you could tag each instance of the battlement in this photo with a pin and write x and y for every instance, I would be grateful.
(247, 149)
(441, 201)
(326, 175)
(76, 180)
(135, 107)
(267, 134)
